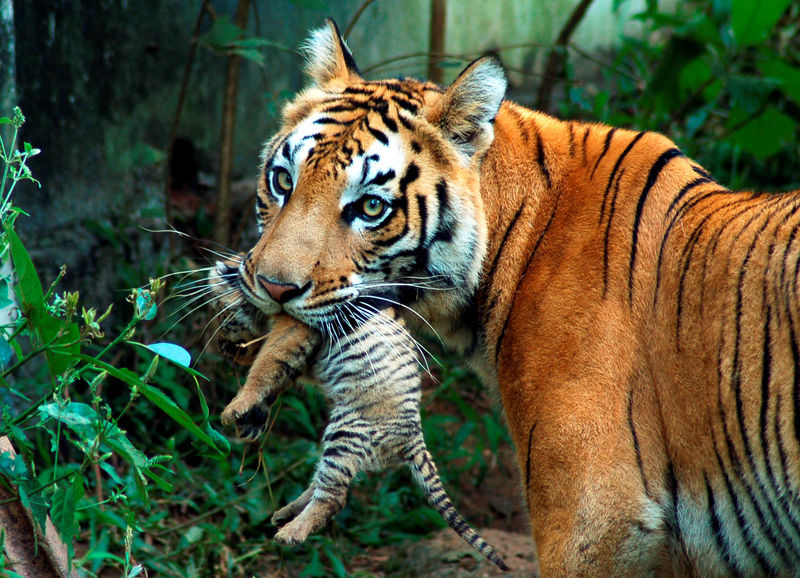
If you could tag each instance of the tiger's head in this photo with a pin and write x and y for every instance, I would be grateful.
(369, 193)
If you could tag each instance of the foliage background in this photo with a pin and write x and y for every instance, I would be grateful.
(100, 82)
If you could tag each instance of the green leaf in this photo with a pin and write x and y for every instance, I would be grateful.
(28, 287)
(765, 135)
(222, 34)
(174, 353)
(165, 404)
(186, 368)
(786, 75)
(64, 337)
(82, 419)
(753, 20)
(6, 354)
(124, 375)
(34, 501)
(337, 565)
(62, 511)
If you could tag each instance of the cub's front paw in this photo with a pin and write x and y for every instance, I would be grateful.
(250, 416)
(237, 351)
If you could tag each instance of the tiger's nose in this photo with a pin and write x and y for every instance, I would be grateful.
(280, 292)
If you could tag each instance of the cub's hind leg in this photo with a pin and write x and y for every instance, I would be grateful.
(293, 508)
(327, 494)
(282, 357)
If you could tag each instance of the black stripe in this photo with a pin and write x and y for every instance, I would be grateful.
(379, 135)
(607, 236)
(541, 160)
(609, 135)
(407, 124)
(381, 178)
(702, 172)
(389, 123)
(406, 105)
(688, 250)
(528, 467)
(686, 188)
(796, 381)
(329, 120)
(499, 344)
(674, 521)
(636, 448)
(442, 226)
(655, 171)
(611, 180)
(411, 175)
(585, 140)
(736, 383)
(744, 526)
(716, 529)
(286, 150)
(766, 378)
(498, 254)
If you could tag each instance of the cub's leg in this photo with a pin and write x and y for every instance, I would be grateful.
(290, 510)
(327, 493)
(282, 357)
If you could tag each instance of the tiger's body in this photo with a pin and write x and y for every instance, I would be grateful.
(640, 320)
(370, 376)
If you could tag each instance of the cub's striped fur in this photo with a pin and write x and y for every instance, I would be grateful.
(372, 380)
(641, 321)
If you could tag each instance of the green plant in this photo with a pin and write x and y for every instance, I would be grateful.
(721, 78)
(76, 463)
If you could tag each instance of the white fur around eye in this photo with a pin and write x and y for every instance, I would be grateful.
(390, 157)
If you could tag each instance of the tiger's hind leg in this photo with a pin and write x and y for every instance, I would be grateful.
(282, 357)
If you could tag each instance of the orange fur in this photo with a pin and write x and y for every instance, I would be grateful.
(639, 319)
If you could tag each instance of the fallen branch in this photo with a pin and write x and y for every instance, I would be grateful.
(28, 551)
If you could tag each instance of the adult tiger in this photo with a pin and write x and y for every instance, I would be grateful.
(640, 320)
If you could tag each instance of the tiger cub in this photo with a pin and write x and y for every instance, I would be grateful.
(372, 379)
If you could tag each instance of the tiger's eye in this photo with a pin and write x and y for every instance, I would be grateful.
(282, 181)
(373, 207)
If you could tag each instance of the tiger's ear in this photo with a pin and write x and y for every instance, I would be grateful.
(466, 111)
(327, 56)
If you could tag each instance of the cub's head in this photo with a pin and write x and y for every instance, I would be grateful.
(369, 193)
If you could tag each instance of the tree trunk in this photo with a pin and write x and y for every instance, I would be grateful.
(436, 40)
(554, 69)
(222, 223)
(8, 60)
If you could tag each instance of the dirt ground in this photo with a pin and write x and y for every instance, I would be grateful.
(446, 555)
(497, 514)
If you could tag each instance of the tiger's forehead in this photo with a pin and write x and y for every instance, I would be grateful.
(361, 143)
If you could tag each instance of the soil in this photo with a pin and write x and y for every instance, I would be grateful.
(446, 555)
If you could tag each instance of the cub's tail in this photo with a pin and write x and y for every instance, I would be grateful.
(426, 475)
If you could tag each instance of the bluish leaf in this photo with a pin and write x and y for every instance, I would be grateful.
(174, 353)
